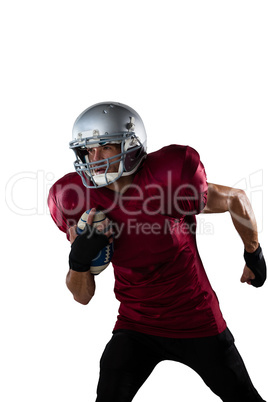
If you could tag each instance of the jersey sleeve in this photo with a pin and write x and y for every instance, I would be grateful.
(56, 213)
(192, 191)
(67, 201)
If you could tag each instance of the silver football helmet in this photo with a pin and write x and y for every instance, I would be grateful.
(108, 123)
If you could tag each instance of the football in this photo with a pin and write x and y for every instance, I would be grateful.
(102, 260)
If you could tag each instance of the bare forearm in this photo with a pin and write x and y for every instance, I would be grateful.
(81, 285)
(244, 220)
(236, 202)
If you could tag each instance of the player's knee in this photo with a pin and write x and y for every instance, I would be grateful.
(118, 352)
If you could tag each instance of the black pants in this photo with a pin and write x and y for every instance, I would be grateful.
(130, 357)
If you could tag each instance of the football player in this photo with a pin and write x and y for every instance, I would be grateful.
(168, 309)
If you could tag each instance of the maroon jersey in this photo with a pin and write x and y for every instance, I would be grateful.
(160, 280)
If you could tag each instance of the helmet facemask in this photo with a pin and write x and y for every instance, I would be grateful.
(129, 159)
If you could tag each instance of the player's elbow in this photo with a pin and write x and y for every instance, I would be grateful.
(239, 200)
(240, 194)
(81, 296)
(81, 285)
(83, 299)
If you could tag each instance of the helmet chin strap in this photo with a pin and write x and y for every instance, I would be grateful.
(107, 178)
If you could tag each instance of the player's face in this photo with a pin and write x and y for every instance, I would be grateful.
(96, 154)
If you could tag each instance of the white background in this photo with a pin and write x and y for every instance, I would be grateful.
(196, 71)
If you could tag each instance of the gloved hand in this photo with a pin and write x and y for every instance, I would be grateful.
(86, 247)
(256, 262)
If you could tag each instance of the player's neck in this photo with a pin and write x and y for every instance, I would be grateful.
(121, 185)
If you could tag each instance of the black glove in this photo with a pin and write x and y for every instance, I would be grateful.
(256, 262)
(85, 248)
